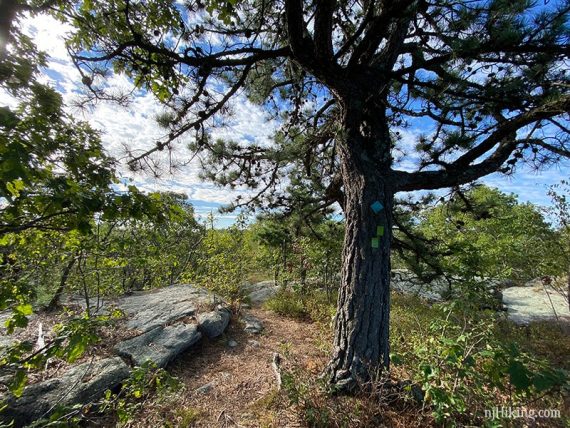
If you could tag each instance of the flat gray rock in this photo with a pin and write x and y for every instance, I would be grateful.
(214, 323)
(6, 341)
(535, 302)
(159, 345)
(253, 325)
(148, 310)
(81, 384)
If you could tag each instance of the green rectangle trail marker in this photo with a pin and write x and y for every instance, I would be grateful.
(375, 243)
(380, 231)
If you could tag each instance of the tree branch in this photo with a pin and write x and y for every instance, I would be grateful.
(459, 171)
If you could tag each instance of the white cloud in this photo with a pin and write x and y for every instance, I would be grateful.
(134, 127)
(48, 34)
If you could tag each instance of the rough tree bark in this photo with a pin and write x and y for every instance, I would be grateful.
(361, 341)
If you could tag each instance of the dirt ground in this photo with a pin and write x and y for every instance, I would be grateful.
(236, 386)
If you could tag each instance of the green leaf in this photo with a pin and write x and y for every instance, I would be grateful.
(396, 359)
(18, 383)
(14, 187)
(8, 118)
(24, 309)
(76, 347)
(519, 375)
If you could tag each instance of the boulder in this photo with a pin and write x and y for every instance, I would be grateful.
(81, 384)
(261, 291)
(159, 345)
(406, 282)
(214, 323)
(253, 325)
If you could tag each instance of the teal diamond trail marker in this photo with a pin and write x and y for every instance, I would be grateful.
(377, 207)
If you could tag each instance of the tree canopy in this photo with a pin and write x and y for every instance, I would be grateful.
(486, 82)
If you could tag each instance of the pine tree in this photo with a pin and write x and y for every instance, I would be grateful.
(486, 81)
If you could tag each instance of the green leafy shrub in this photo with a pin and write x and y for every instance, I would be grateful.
(287, 303)
(300, 250)
(144, 382)
(223, 263)
(480, 233)
(70, 341)
(314, 305)
(306, 397)
(463, 366)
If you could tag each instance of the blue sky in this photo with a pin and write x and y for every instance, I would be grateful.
(134, 128)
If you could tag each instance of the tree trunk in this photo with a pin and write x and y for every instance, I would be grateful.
(361, 340)
(568, 294)
(56, 299)
(303, 277)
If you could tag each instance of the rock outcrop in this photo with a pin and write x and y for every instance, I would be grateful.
(535, 302)
(261, 291)
(163, 306)
(80, 384)
(160, 345)
(166, 322)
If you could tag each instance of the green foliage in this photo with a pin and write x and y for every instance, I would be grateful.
(119, 255)
(315, 305)
(63, 227)
(144, 382)
(53, 169)
(56, 186)
(301, 393)
(153, 250)
(558, 262)
(71, 340)
(463, 363)
(62, 416)
(287, 303)
(223, 263)
(485, 233)
(300, 251)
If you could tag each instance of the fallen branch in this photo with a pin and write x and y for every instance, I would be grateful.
(277, 369)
